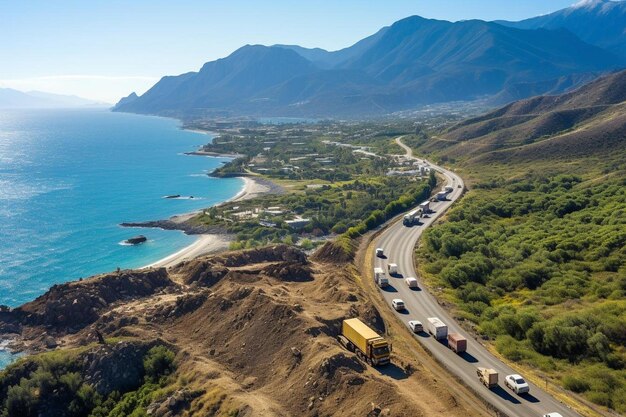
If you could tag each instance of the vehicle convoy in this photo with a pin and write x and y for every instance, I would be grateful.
(412, 217)
(411, 282)
(398, 304)
(380, 252)
(380, 278)
(357, 337)
(437, 328)
(457, 343)
(489, 377)
(517, 384)
(416, 326)
(392, 269)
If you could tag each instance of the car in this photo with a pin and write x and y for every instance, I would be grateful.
(380, 252)
(516, 383)
(416, 326)
(398, 304)
(552, 415)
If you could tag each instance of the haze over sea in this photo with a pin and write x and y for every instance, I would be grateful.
(68, 178)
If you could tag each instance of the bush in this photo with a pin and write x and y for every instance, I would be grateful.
(158, 362)
(575, 384)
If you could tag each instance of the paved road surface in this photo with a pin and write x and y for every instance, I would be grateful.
(398, 242)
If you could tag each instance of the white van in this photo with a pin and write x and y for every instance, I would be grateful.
(411, 282)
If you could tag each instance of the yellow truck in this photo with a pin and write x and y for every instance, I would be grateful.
(357, 337)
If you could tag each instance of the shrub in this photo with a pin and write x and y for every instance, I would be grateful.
(158, 362)
(575, 384)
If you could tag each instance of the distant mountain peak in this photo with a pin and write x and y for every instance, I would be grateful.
(413, 62)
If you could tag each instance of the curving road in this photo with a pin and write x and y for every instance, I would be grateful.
(398, 242)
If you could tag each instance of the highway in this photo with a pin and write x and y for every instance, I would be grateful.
(398, 242)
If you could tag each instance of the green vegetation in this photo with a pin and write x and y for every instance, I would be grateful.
(539, 264)
(341, 178)
(353, 207)
(54, 383)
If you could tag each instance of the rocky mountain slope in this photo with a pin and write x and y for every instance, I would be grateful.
(588, 121)
(254, 334)
(598, 22)
(413, 62)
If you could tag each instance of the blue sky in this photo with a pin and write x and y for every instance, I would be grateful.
(106, 49)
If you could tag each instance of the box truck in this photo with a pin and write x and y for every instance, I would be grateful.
(489, 377)
(437, 328)
(393, 269)
(357, 337)
(457, 343)
(380, 278)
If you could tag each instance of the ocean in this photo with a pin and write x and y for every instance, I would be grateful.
(68, 178)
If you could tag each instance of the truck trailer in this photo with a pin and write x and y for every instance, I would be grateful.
(457, 343)
(489, 377)
(357, 337)
(380, 278)
(425, 207)
(437, 328)
(393, 269)
(411, 218)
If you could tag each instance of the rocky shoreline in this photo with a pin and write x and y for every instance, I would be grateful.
(187, 226)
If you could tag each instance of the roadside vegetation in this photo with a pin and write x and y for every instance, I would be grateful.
(538, 264)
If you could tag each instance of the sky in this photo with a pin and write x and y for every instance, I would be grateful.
(104, 50)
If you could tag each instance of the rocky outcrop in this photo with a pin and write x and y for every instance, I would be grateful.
(189, 227)
(115, 368)
(74, 305)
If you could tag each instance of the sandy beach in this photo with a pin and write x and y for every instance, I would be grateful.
(212, 243)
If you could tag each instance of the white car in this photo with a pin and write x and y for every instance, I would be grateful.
(411, 282)
(397, 304)
(416, 326)
(517, 384)
(552, 415)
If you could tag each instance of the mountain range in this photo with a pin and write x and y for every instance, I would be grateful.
(589, 121)
(598, 22)
(14, 99)
(413, 62)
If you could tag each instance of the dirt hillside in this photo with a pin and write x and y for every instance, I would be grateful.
(254, 333)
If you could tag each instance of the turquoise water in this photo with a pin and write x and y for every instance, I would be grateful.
(68, 178)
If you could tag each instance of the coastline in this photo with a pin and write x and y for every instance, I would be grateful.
(207, 243)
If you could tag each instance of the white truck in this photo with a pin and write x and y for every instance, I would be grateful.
(380, 278)
(411, 282)
(410, 218)
(425, 207)
(392, 269)
(437, 328)
(441, 195)
(380, 252)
